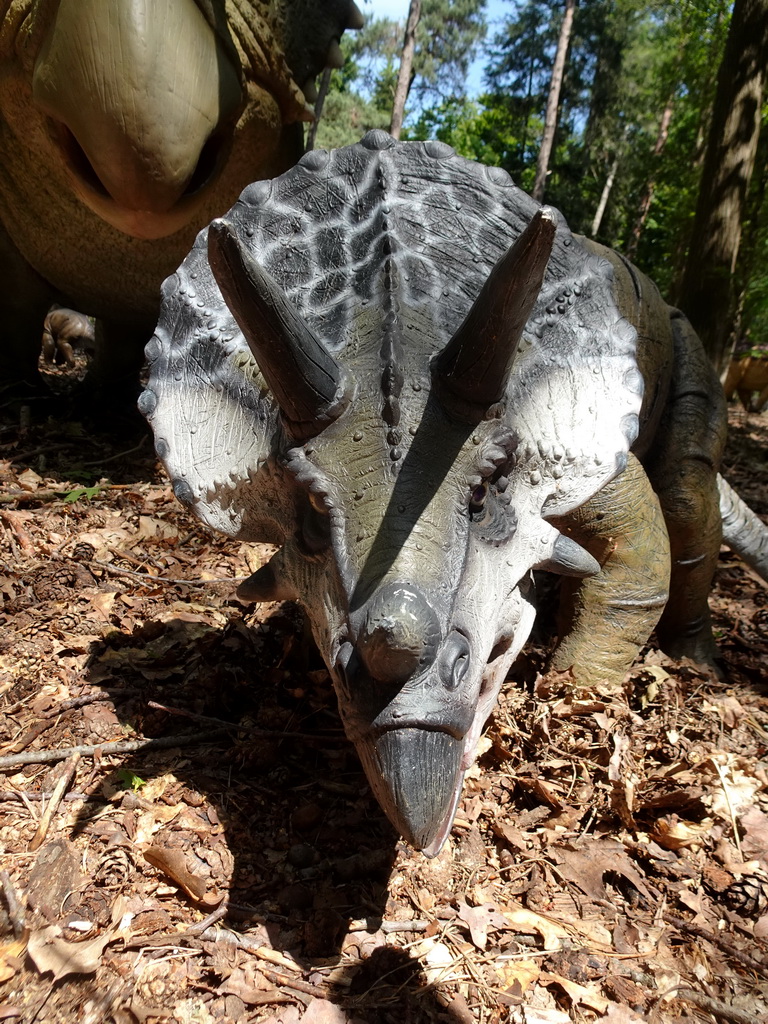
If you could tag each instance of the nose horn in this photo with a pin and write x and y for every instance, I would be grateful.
(400, 635)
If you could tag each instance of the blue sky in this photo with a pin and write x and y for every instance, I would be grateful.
(398, 9)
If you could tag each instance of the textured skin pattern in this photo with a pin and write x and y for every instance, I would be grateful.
(409, 532)
(55, 248)
(335, 232)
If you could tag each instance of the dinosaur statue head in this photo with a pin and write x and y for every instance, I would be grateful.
(152, 106)
(406, 537)
(321, 379)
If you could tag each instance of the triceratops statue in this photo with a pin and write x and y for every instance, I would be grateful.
(399, 367)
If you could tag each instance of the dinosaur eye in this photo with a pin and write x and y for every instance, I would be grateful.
(314, 534)
(317, 503)
(477, 499)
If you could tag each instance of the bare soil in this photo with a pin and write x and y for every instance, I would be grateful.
(610, 855)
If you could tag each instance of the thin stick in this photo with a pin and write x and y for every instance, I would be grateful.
(119, 747)
(723, 1011)
(88, 698)
(729, 805)
(252, 731)
(24, 496)
(26, 795)
(388, 927)
(117, 571)
(716, 940)
(55, 801)
(216, 915)
(296, 984)
(250, 945)
(119, 455)
(15, 908)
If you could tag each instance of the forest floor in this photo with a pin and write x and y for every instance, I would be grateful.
(186, 834)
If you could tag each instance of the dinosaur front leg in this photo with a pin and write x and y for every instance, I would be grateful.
(606, 618)
(683, 470)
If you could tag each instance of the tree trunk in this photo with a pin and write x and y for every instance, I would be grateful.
(553, 101)
(598, 218)
(650, 188)
(406, 66)
(322, 92)
(707, 293)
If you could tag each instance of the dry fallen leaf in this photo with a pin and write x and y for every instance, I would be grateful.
(481, 920)
(105, 541)
(323, 1011)
(551, 932)
(49, 952)
(149, 528)
(675, 835)
(29, 480)
(580, 995)
(517, 975)
(587, 865)
(172, 863)
(11, 955)
(437, 961)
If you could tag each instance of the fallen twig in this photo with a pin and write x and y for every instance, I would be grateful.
(296, 984)
(88, 698)
(216, 915)
(27, 795)
(14, 905)
(53, 805)
(253, 731)
(729, 805)
(14, 520)
(389, 927)
(456, 1005)
(164, 579)
(250, 945)
(119, 455)
(119, 747)
(721, 943)
(723, 1011)
(31, 734)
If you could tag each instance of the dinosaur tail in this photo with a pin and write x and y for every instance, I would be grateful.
(743, 531)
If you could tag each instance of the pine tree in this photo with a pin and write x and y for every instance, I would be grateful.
(707, 293)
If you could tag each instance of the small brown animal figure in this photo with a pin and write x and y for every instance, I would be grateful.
(62, 329)
(746, 376)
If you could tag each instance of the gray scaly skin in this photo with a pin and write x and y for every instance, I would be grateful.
(125, 126)
(394, 364)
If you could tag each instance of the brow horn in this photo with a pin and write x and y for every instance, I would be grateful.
(304, 377)
(475, 364)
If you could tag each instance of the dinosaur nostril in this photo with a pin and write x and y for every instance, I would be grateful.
(454, 661)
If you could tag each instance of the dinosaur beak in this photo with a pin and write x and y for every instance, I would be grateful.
(407, 698)
(137, 93)
(416, 775)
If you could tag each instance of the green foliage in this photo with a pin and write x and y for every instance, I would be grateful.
(446, 41)
(126, 779)
(629, 61)
(81, 493)
(347, 113)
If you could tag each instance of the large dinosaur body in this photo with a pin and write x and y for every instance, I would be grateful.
(125, 126)
(394, 364)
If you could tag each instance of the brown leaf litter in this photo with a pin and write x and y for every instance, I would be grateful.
(187, 835)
